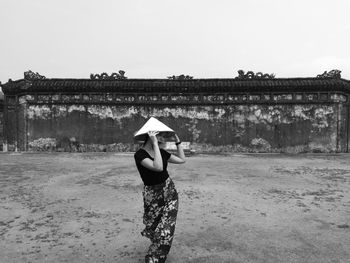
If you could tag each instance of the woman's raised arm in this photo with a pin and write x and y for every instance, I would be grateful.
(180, 155)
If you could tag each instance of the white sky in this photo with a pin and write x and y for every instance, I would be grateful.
(160, 38)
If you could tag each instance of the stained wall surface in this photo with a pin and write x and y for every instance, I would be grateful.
(268, 128)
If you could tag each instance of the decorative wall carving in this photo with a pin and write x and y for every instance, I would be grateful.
(252, 75)
(30, 75)
(335, 73)
(180, 77)
(119, 76)
(184, 99)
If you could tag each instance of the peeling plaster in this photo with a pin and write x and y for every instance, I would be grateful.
(253, 113)
(116, 113)
(59, 110)
(220, 112)
(252, 118)
(299, 112)
(182, 112)
(321, 118)
(102, 112)
(266, 117)
(76, 108)
(241, 119)
(257, 113)
(36, 111)
(200, 113)
(193, 130)
(22, 99)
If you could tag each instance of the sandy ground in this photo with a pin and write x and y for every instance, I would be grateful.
(235, 208)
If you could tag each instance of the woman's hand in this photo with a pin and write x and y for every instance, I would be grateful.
(177, 139)
(153, 137)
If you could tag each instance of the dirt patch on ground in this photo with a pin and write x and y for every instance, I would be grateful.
(87, 207)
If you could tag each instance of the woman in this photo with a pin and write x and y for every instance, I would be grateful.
(159, 194)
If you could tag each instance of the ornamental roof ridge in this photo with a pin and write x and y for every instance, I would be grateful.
(171, 80)
(160, 85)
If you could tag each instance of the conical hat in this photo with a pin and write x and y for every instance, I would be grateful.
(151, 125)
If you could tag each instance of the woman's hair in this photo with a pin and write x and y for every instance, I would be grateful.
(146, 139)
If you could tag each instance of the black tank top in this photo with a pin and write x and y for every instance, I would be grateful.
(148, 176)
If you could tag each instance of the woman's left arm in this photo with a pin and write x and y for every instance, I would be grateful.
(180, 156)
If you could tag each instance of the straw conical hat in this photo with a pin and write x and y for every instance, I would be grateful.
(151, 125)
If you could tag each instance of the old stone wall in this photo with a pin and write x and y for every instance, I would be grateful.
(213, 115)
(210, 128)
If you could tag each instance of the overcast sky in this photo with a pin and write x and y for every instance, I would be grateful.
(160, 38)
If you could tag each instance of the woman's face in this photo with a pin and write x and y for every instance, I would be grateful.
(161, 140)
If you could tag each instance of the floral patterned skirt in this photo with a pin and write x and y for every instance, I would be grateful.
(160, 212)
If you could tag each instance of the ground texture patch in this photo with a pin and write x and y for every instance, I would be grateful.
(87, 207)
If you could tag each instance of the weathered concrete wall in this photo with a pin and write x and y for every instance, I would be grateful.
(10, 122)
(254, 114)
(261, 127)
